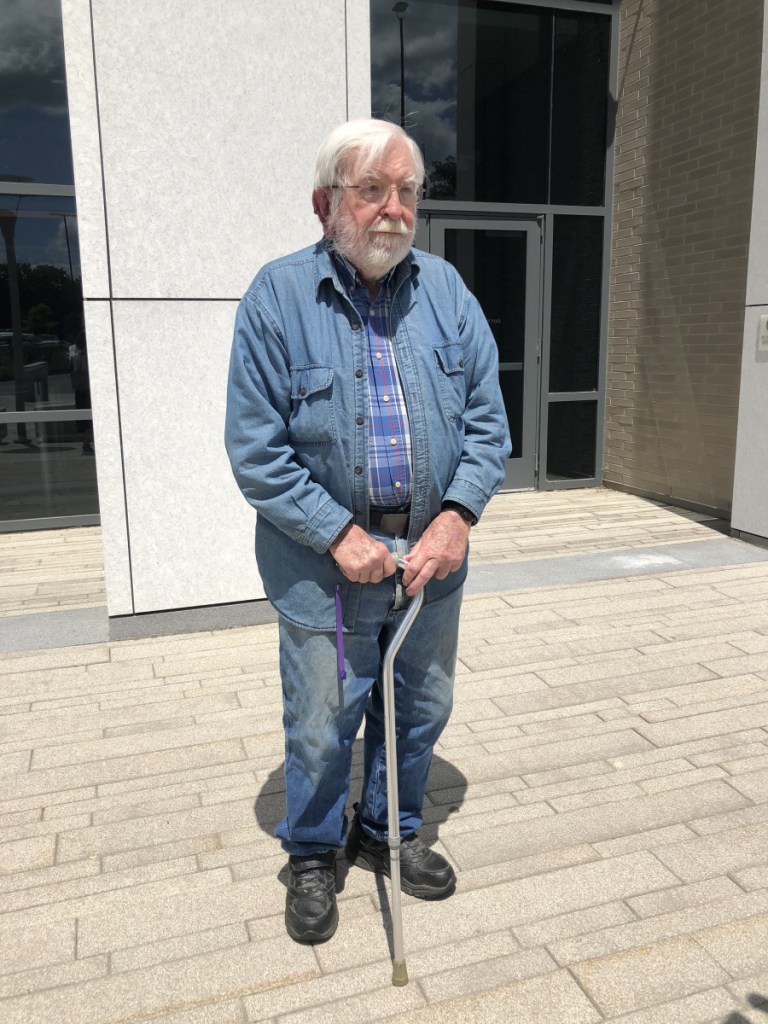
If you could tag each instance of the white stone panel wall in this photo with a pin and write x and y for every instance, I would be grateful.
(194, 130)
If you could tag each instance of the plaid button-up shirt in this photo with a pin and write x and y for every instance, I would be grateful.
(389, 434)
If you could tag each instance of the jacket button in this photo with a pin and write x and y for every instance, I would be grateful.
(461, 363)
(358, 470)
(358, 373)
(302, 391)
(355, 325)
(359, 421)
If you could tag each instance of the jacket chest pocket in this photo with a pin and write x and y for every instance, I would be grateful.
(450, 374)
(311, 420)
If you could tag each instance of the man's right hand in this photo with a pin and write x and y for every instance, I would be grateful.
(361, 558)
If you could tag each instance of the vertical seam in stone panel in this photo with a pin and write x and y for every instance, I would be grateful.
(111, 304)
(346, 58)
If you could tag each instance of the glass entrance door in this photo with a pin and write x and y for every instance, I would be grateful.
(500, 262)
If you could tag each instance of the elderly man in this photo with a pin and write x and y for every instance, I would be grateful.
(364, 420)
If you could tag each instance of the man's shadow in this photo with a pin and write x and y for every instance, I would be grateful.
(446, 790)
(754, 999)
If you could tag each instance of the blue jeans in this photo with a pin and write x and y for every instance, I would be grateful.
(323, 715)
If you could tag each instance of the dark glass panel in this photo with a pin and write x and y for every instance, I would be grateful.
(477, 91)
(493, 265)
(577, 257)
(571, 439)
(47, 469)
(579, 108)
(34, 121)
(43, 360)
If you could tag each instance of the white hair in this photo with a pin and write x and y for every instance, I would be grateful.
(355, 145)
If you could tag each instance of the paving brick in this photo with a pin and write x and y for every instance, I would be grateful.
(55, 874)
(196, 846)
(753, 878)
(489, 974)
(24, 946)
(695, 1009)
(709, 856)
(564, 926)
(16, 761)
(170, 988)
(740, 948)
(590, 825)
(369, 1006)
(26, 854)
(158, 828)
(639, 978)
(215, 1013)
(525, 756)
(653, 930)
(179, 913)
(716, 823)
(554, 997)
(753, 785)
(41, 978)
(649, 839)
(680, 897)
(178, 948)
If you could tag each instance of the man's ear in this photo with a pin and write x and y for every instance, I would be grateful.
(321, 204)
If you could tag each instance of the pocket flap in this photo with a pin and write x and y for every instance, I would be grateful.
(451, 358)
(308, 380)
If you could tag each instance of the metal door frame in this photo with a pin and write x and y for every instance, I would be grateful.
(523, 470)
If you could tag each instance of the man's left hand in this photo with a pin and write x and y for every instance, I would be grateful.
(439, 551)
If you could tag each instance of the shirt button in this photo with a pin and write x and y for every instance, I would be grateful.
(359, 421)
(393, 440)
(398, 485)
(378, 355)
(386, 398)
(358, 373)
(358, 470)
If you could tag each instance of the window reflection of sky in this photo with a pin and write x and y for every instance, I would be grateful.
(46, 231)
(34, 123)
(430, 36)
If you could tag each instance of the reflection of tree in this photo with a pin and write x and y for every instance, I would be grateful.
(46, 293)
(442, 179)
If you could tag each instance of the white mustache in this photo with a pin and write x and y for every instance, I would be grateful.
(390, 227)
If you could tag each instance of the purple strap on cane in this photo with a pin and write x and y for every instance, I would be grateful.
(339, 637)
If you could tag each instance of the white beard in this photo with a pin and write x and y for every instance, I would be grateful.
(373, 252)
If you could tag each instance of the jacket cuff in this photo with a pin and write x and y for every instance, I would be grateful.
(325, 526)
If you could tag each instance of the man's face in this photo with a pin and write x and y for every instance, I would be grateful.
(376, 236)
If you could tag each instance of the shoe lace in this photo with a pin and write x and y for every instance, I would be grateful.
(313, 880)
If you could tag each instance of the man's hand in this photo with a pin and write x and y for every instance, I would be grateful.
(361, 558)
(440, 550)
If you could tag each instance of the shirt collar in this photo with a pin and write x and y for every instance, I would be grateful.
(344, 275)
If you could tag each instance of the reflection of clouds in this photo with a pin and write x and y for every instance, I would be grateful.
(31, 56)
(430, 32)
(43, 240)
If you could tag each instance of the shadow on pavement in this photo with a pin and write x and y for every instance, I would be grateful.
(446, 790)
(754, 999)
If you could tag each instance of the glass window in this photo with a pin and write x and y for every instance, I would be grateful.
(571, 439)
(577, 263)
(579, 108)
(34, 121)
(43, 363)
(486, 86)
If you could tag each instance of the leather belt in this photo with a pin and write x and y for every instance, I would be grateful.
(394, 523)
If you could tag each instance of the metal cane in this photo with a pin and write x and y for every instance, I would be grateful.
(399, 970)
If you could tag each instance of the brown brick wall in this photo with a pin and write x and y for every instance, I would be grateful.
(689, 78)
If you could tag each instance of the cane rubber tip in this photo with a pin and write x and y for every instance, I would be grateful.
(399, 973)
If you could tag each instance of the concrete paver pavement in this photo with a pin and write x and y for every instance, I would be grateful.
(602, 789)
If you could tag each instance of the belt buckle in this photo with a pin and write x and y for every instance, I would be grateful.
(395, 523)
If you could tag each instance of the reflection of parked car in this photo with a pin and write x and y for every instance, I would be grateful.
(51, 351)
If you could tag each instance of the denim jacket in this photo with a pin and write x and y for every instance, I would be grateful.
(297, 417)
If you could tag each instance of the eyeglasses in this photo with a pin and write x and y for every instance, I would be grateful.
(378, 193)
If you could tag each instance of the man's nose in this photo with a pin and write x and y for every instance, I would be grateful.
(393, 207)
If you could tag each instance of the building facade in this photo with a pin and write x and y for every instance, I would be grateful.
(596, 171)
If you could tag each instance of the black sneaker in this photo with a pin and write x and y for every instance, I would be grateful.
(310, 903)
(423, 873)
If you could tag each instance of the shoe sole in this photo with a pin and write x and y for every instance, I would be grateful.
(310, 937)
(421, 892)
